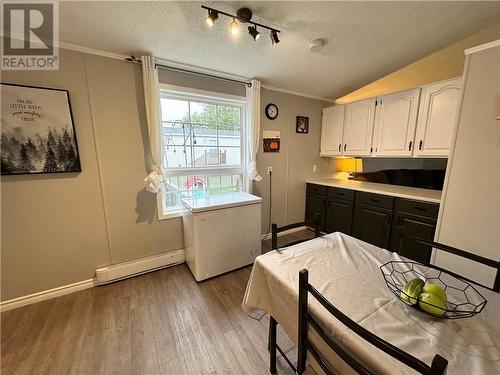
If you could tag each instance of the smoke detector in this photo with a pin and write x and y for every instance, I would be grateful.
(316, 45)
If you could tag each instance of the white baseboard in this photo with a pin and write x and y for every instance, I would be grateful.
(46, 294)
(103, 276)
(267, 236)
(136, 267)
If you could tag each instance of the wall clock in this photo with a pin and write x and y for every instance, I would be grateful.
(271, 111)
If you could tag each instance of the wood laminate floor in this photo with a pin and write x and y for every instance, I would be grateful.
(162, 322)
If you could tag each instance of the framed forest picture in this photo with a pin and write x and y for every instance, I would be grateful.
(38, 134)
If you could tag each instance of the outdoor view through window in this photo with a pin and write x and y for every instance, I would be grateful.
(203, 147)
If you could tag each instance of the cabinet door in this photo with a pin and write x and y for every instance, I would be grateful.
(358, 128)
(395, 123)
(437, 118)
(339, 216)
(331, 130)
(372, 225)
(316, 204)
(413, 226)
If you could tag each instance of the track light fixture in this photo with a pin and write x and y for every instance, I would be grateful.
(212, 17)
(274, 37)
(252, 30)
(243, 15)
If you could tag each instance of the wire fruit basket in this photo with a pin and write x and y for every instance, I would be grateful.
(463, 300)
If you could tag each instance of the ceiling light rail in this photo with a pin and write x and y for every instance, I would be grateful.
(137, 60)
(244, 15)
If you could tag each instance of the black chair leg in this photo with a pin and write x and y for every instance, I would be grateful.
(272, 345)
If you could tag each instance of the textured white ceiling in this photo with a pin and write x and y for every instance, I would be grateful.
(364, 40)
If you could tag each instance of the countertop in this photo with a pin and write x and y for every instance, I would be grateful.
(219, 201)
(426, 195)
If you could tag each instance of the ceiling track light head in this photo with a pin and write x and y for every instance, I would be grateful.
(233, 27)
(212, 17)
(244, 15)
(252, 30)
(274, 37)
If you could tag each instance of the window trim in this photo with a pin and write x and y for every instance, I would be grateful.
(209, 97)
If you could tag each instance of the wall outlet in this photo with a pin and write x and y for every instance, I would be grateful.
(315, 168)
(269, 170)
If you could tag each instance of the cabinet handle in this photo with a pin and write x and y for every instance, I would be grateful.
(420, 145)
(345, 146)
(409, 146)
(388, 218)
(340, 147)
(374, 200)
(419, 208)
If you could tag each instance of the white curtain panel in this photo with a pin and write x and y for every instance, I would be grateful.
(154, 181)
(253, 121)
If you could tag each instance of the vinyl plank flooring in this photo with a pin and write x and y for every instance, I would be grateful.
(144, 349)
(161, 314)
(241, 346)
(176, 366)
(44, 352)
(68, 353)
(163, 322)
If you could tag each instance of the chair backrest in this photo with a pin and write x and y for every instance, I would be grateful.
(464, 254)
(315, 224)
(438, 367)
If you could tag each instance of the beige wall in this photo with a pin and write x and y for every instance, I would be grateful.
(443, 64)
(293, 164)
(55, 227)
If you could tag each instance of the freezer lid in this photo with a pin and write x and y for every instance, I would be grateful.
(219, 201)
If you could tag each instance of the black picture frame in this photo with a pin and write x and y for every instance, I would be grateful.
(72, 165)
(302, 124)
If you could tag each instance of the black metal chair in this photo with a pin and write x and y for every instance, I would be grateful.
(273, 324)
(314, 224)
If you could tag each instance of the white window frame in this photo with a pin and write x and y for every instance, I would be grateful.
(209, 97)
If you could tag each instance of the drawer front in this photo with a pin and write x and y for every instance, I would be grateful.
(376, 200)
(338, 193)
(316, 189)
(417, 207)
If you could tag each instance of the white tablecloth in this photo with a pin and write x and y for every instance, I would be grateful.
(346, 271)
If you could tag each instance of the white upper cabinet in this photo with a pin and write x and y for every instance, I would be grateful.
(437, 118)
(395, 122)
(331, 130)
(358, 128)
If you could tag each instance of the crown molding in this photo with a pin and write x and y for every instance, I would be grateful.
(482, 47)
(91, 51)
(272, 88)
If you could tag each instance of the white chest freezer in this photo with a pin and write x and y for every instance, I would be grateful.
(221, 233)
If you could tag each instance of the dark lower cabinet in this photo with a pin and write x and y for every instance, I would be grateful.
(372, 224)
(421, 226)
(339, 216)
(377, 219)
(316, 204)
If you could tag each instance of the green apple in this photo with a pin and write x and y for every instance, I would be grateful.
(427, 299)
(411, 291)
(437, 290)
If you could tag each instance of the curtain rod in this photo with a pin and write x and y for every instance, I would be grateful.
(137, 60)
(249, 84)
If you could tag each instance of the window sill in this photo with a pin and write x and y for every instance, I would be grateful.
(170, 215)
